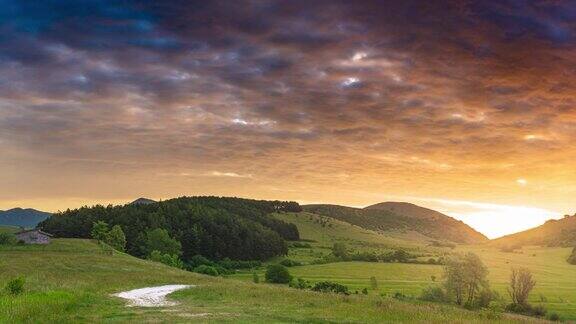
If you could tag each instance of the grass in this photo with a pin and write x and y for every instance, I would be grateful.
(323, 232)
(556, 279)
(71, 281)
(8, 229)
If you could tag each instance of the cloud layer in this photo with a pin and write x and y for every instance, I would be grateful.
(342, 101)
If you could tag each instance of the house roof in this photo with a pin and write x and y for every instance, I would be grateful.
(34, 230)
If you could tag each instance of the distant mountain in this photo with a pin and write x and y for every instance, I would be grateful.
(143, 201)
(402, 216)
(555, 232)
(22, 217)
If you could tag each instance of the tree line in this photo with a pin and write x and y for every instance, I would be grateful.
(214, 227)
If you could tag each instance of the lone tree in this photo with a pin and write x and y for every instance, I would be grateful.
(465, 277)
(521, 284)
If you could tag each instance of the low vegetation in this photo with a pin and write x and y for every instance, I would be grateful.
(572, 257)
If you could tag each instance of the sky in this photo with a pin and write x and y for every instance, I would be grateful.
(468, 107)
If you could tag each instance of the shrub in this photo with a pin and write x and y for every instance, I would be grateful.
(255, 278)
(572, 258)
(15, 286)
(198, 260)
(373, 283)
(331, 287)
(435, 294)
(553, 317)
(277, 273)
(365, 291)
(526, 309)
(299, 284)
(170, 260)
(290, 263)
(8, 239)
(340, 251)
(207, 270)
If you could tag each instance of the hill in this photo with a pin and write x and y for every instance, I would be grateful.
(393, 216)
(71, 280)
(20, 217)
(555, 232)
(143, 201)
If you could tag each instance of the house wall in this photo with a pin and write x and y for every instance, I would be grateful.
(33, 238)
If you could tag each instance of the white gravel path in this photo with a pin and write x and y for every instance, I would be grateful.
(151, 296)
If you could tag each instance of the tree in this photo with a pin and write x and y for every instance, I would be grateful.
(116, 238)
(159, 240)
(99, 230)
(465, 276)
(572, 257)
(277, 273)
(339, 250)
(521, 284)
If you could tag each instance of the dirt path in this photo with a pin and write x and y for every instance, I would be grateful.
(151, 296)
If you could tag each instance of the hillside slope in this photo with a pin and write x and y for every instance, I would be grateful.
(72, 280)
(561, 232)
(404, 217)
(28, 217)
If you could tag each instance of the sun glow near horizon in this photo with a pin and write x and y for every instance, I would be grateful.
(493, 220)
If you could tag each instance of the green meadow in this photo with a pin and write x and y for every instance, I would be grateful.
(72, 280)
(555, 278)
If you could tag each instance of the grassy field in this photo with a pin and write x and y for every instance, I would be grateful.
(323, 232)
(71, 281)
(9, 229)
(556, 279)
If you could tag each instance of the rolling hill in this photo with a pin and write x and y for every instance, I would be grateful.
(394, 216)
(22, 217)
(71, 281)
(555, 232)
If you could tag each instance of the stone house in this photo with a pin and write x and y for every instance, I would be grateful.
(34, 236)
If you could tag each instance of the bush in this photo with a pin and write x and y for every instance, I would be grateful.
(8, 239)
(435, 294)
(553, 317)
(572, 258)
(198, 260)
(16, 286)
(207, 270)
(526, 309)
(290, 263)
(365, 291)
(170, 260)
(299, 284)
(277, 273)
(255, 278)
(331, 287)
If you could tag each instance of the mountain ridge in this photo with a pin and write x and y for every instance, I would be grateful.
(23, 217)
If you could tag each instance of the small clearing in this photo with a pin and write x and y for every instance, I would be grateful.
(151, 296)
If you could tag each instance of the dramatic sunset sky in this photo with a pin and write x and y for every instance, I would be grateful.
(467, 107)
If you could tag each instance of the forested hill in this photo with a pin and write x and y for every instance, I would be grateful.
(555, 232)
(215, 227)
(382, 217)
